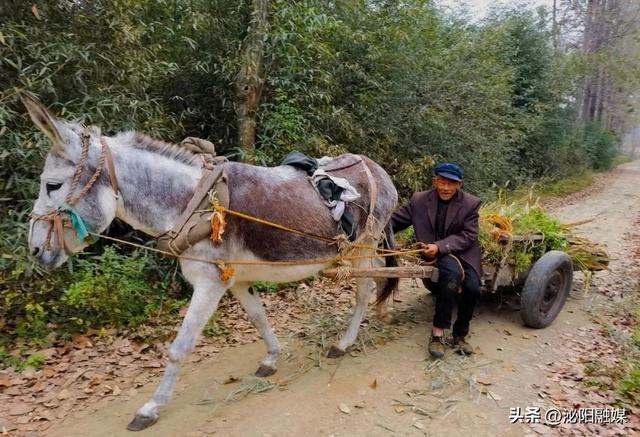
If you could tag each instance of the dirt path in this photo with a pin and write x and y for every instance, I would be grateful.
(392, 389)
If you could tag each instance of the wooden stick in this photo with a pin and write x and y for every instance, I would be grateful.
(384, 272)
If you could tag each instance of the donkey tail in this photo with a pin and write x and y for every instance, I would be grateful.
(390, 284)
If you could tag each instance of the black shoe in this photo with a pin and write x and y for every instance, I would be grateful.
(462, 347)
(436, 346)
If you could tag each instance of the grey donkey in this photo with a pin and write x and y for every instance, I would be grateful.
(155, 181)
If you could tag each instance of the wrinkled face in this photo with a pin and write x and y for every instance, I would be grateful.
(96, 208)
(445, 188)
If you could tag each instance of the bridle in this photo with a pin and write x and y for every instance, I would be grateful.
(65, 215)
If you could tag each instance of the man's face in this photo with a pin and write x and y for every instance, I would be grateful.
(445, 188)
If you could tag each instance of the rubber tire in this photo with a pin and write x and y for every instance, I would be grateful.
(553, 265)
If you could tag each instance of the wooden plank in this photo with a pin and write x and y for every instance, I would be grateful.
(384, 272)
(504, 239)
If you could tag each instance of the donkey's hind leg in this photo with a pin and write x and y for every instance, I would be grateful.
(257, 315)
(365, 287)
(206, 295)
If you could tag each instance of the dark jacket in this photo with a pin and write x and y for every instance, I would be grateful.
(461, 224)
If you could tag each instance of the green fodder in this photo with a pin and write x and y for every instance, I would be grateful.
(538, 233)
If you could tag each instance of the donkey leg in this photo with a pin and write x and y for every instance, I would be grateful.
(203, 304)
(258, 317)
(363, 295)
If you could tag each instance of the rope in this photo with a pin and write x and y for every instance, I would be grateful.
(56, 220)
(256, 262)
(222, 209)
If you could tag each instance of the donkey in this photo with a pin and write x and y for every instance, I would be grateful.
(156, 180)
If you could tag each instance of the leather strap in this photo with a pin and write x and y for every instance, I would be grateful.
(112, 170)
(59, 227)
(210, 178)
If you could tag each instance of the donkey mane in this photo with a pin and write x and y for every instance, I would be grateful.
(144, 142)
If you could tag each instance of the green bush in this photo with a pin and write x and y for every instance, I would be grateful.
(629, 386)
(110, 290)
(599, 147)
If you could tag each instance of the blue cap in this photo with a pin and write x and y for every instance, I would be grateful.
(449, 170)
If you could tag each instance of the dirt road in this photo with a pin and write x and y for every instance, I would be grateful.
(393, 389)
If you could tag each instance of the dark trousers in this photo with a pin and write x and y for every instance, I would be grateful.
(447, 295)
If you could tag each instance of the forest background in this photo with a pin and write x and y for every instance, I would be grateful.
(521, 95)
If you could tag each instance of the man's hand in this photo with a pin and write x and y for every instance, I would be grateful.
(429, 250)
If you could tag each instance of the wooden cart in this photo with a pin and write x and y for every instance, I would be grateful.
(543, 287)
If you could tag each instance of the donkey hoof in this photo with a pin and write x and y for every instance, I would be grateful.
(335, 352)
(264, 371)
(141, 422)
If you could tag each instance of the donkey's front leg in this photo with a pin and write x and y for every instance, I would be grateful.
(363, 295)
(258, 317)
(206, 295)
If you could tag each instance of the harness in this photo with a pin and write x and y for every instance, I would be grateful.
(66, 215)
(197, 221)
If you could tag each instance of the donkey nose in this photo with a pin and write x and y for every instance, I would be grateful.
(35, 251)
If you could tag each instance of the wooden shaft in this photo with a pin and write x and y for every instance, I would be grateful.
(384, 272)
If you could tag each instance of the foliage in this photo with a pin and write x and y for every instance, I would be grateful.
(551, 187)
(525, 219)
(599, 147)
(629, 386)
(106, 290)
(21, 361)
(110, 290)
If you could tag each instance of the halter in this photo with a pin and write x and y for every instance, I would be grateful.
(66, 215)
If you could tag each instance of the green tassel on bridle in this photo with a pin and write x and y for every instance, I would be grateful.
(77, 222)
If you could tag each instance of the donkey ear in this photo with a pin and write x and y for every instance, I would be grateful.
(42, 118)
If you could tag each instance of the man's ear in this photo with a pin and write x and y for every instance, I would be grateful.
(42, 118)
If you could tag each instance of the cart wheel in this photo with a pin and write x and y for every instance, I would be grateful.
(546, 289)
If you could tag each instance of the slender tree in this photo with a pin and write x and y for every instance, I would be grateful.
(250, 79)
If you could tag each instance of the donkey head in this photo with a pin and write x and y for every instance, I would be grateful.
(52, 235)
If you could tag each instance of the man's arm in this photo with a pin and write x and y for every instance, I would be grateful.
(462, 240)
(401, 218)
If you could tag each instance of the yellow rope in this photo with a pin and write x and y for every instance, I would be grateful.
(226, 272)
(221, 209)
(255, 262)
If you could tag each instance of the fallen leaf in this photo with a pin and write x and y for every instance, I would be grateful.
(418, 425)
(5, 380)
(64, 394)
(20, 408)
(374, 384)
(116, 390)
(28, 373)
(48, 372)
(34, 11)
(344, 408)
(399, 409)
(23, 419)
(231, 379)
(507, 332)
(483, 381)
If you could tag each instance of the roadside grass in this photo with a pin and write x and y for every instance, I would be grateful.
(621, 375)
(620, 159)
(629, 383)
(547, 187)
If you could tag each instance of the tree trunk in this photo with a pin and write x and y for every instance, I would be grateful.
(250, 79)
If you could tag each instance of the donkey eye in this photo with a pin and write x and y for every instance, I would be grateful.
(52, 186)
